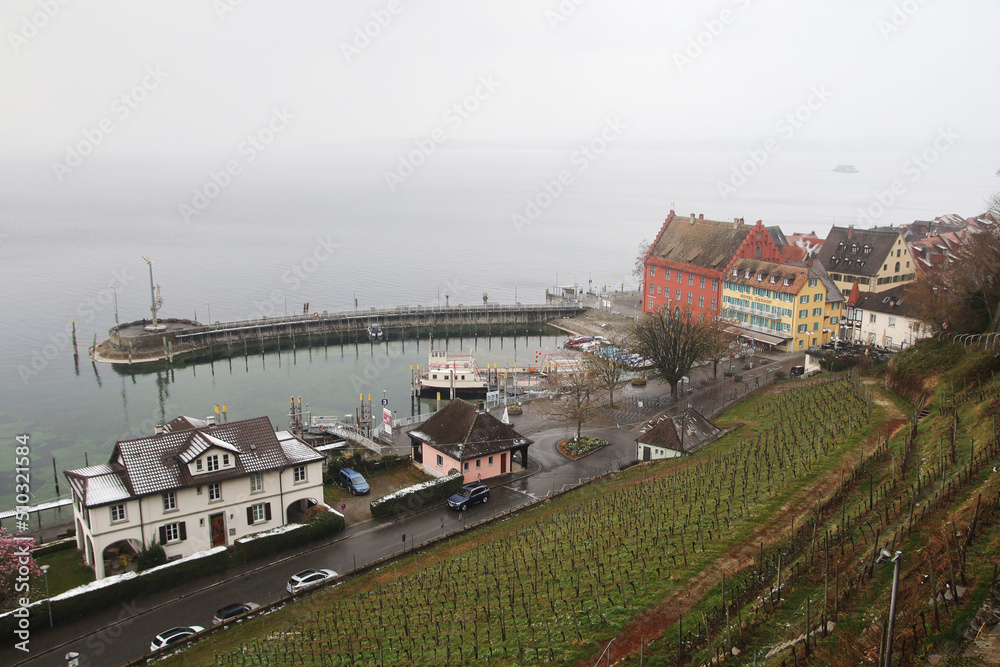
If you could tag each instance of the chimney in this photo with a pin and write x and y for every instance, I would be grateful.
(159, 429)
(691, 221)
(691, 216)
(210, 419)
(701, 216)
(736, 223)
(850, 232)
(741, 221)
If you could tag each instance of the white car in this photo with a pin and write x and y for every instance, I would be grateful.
(307, 578)
(172, 635)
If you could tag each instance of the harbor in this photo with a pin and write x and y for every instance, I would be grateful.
(170, 341)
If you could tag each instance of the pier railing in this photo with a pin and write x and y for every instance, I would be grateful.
(380, 315)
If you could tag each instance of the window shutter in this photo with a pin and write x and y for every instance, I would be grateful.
(267, 511)
(250, 516)
(184, 533)
(163, 534)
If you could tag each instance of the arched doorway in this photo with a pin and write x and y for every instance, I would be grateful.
(296, 512)
(120, 556)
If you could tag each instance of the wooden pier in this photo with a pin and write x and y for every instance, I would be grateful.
(192, 342)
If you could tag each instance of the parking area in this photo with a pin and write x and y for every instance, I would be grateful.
(356, 508)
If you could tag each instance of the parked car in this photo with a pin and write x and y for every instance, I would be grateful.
(797, 371)
(232, 611)
(307, 578)
(172, 635)
(470, 494)
(352, 480)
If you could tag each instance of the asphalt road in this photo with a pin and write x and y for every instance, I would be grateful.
(117, 635)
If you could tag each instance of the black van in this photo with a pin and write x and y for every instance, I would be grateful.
(797, 371)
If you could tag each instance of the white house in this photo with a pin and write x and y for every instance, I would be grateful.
(888, 319)
(192, 486)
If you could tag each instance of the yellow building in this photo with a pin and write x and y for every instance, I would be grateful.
(790, 306)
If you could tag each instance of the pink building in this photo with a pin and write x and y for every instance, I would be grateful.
(459, 437)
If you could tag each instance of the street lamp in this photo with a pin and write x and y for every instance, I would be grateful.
(45, 571)
(886, 557)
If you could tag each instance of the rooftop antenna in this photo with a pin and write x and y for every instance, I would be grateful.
(155, 299)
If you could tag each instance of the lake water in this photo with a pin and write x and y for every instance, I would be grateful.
(325, 229)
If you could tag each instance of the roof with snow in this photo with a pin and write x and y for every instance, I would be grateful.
(158, 463)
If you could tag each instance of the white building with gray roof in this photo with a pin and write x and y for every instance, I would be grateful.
(192, 486)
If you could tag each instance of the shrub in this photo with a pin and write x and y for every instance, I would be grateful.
(151, 556)
(419, 495)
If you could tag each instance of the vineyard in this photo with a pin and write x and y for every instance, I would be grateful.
(557, 583)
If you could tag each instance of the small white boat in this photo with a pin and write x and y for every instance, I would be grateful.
(375, 332)
(846, 169)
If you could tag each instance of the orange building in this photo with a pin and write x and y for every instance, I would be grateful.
(683, 269)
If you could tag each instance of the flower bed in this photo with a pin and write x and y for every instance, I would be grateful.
(576, 449)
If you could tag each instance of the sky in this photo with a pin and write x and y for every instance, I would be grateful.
(177, 79)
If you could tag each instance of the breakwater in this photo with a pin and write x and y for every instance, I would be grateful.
(186, 341)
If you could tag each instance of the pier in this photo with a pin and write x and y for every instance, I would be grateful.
(188, 341)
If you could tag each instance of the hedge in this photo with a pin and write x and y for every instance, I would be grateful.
(124, 589)
(264, 544)
(415, 497)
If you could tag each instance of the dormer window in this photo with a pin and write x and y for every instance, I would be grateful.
(787, 282)
(773, 279)
(736, 272)
(748, 273)
(212, 462)
(867, 249)
(198, 465)
(841, 245)
(760, 276)
(854, 247)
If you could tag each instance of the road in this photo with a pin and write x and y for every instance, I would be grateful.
(117, 635)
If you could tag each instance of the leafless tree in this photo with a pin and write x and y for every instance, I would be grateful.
(720, 340)
(964, 295)
(578, 403)
(640, 259)
(609, 371)
(672, 344)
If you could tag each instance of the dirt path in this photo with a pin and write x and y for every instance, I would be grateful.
(654, 622)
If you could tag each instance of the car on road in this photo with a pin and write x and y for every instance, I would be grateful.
(308, 578)
(468, 495)
(172, 635)
(352, 480)
(232, 611)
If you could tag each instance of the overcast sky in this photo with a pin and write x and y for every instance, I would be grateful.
(208, 72)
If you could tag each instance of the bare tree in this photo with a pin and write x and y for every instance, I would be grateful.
(672, 344)
(578, 404)
(609, 368)
(720, 340)
(964, 295)
(640, 259)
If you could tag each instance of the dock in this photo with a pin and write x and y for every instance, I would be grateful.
(188, 341)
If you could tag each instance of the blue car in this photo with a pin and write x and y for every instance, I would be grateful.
(352, 480)
(468, 495)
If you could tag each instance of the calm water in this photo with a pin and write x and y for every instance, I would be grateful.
(326, 230)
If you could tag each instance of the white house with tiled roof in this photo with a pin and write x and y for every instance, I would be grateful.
(192, 486)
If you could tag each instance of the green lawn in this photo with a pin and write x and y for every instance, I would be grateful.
(66, 570)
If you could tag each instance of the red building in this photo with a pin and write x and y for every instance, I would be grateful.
(684, 265)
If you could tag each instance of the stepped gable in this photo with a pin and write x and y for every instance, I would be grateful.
(694, 241)
(463, 432)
